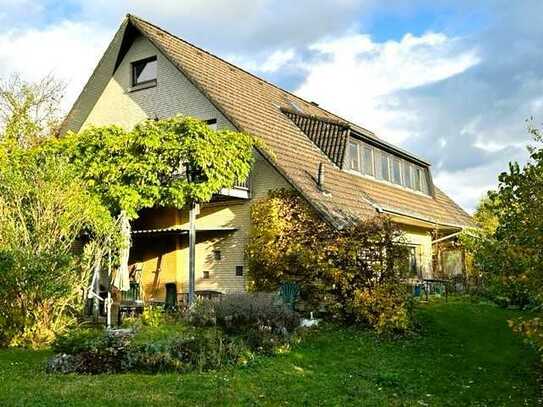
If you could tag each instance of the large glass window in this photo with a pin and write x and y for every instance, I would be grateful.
(372, 161)
(354, 163)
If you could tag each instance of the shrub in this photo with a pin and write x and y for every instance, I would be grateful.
(532, 330)
(176, 348)
(208, 349)
(238, 312)
(77, 340)
(202, 313)
(97, 353)
(386, 308)
(258, 319)
(352, 270)
(153, 316)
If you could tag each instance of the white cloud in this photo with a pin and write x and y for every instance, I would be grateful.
(359, 77)
(69, 51)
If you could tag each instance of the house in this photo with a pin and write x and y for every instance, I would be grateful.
(342, 169)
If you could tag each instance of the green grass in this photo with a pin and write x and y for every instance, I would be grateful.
(465, 355)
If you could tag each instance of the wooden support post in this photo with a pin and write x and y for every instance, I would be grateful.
(194, 209)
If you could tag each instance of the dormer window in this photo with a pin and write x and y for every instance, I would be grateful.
(144, 72)
(369, 160)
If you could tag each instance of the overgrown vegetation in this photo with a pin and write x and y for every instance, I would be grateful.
(356, 272)
(44, 208)
(214, 335)
(58, 194)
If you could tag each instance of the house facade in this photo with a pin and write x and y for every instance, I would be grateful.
(343, 170)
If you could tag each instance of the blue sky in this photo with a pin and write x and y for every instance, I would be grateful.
(451, 81)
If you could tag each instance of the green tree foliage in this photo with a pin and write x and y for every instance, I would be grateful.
(507, 248)
(146, 167)
(44, 207)
(357, 271)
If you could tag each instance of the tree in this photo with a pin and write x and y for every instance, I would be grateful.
(508, 246)
(29, 111)
(44, 207)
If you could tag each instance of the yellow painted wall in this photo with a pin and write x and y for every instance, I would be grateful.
(421, 238)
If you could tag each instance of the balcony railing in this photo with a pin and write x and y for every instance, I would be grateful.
(242, 184)
(241, 189)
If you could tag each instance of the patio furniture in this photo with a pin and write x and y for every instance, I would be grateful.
(170, 304)
(289, 293)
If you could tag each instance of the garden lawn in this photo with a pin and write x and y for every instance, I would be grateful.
(465, 355)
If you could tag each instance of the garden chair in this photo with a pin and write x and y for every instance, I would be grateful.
(170, 304)
(289, 293)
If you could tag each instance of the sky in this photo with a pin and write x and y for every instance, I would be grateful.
(451, 81)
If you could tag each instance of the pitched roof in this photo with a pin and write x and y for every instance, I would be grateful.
(257, 107)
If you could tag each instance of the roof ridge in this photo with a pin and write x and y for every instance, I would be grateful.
(350, 123)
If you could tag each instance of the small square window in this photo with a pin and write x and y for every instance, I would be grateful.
(239, 270)
(206, 275)
(144, 71)
(217, 254)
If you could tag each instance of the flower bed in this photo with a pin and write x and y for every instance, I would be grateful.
(212, 335)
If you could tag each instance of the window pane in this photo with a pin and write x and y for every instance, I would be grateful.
(418, 178)
(424, 183)
(144, 71)
(385, 167)
(367, 158)
(408, 182)
(377, 156)
(396, 172)
(354, 163)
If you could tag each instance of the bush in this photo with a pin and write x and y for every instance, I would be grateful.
(263, 323)
(352, 271)
(105, 352)
(202, 313)
(77, 340)
(174, 347)
(153, 316)
(388, 308)
(238, 312)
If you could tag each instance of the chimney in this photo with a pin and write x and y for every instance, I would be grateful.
(320, 176)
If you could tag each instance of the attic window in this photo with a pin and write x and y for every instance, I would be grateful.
(144, 71)
(371, 161)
